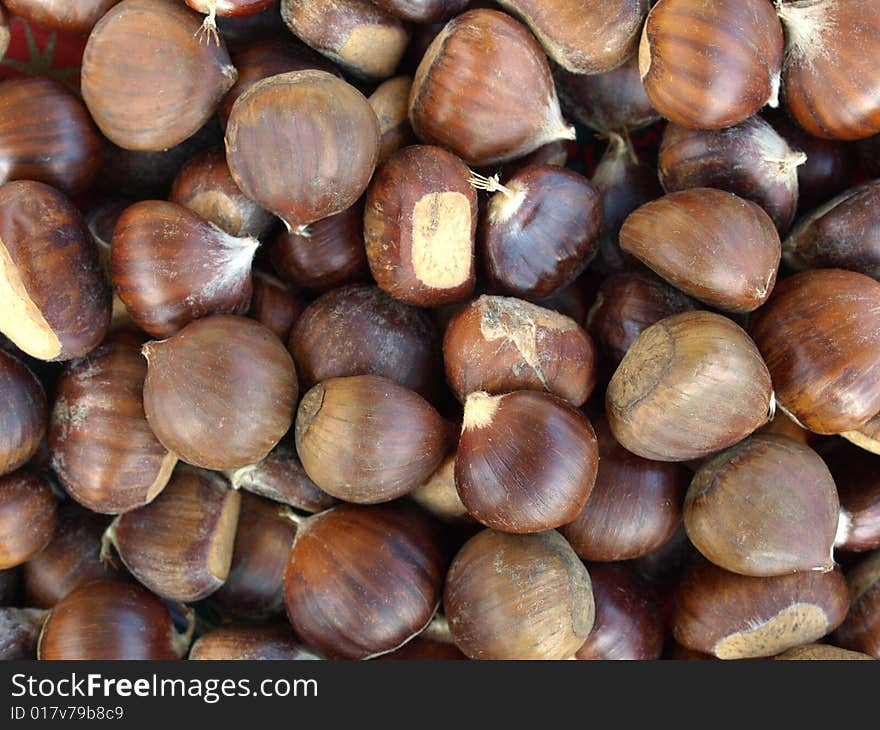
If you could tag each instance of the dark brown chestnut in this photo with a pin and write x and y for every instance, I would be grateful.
(54, 300)
(9, 586)
(739, 617)
(820, 337)
(690, 385)
(439, 496)
(711, 244)
(857, 477)
(360, 330)
(518, 597)
(362, 581)
(526, 461)
(110, 620)
(366, 439)
(252, 381)
(19, 631)
(126, 80)
(860, 630)
(78, 17)
(699, 72)
(390, 101)
(274, 306)
(249, 643)
(180, 545)
(24, 415)
(27, 517)
(540, 230)
(634, 508)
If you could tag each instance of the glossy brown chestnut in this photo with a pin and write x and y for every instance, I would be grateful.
(857, 477)
(518, 597)
(634, 508)
(830, 81)
(126, 83)
(464, 98)
(44, 242)
(360, 330)
(860, 631)
(302, 145)
(711, 244)
(628, 624)
(327, 254)
(356, 34)
(423, 11)
(110, 620)
(249, 643)
(690, 385)
(420, 219)
(366, 439)
(27, 517)
(540, 230)
(252, 384)
(750, 160)
(180, 545)
(19, 631)
(390, 101)
(362, 581)
(821, 652)
(47, 135)
(103, 450)
(767, 506)
(711, 65)
(844, 233)
(626, 305)
(820, 337)
(439, 496)
(24, 415)
(500, 344)
(76, 17)
(739, 617)
(274, 306)
(588, 37)
(526, 461)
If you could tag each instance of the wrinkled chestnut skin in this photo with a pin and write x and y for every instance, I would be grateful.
(23, 416)
(860, 631)
(70, 17)
(249, 643)
(27, 517)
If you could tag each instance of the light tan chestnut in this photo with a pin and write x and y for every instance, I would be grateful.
(690, 385)
(711, 244)
(419, 225)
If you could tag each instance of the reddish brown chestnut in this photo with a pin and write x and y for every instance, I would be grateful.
(220, 393)
(390, 101)
(249, 643)
(439, 496)
(23, 416)
(130, 51)
(690, 385)
(44, 242)
(366, 439)
(711, 244)
(500, 344)
(76, 17)
(273, 305)
(362, 581)
(820, 337)
(860, 631)
(518, 597)
(27, 517)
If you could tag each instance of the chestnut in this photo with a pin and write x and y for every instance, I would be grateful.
(423, 11)
(220, 393)
(588, 37)
(45, 246)
(134, 98)
(249, 643)
(739, 617)
(820, 337)
(106, 619)
(750, 160)
(77, 17)
(829, 81)
(19, 631)
(328, 254)
(362, 581)
(857, 478)
(358, 35)
(302, 145)
(518, 597)
(360, 330)
(47, 135)
(844, 233)
(390, 101)
(860, 630)
(711, 244)
(690, 385)
(27, 517)
(500, 344)
(180, 545)
(23, 416)
(485, 110)
(821, 652)
(420, 219)
(439, 496)
(628, 624)
(366, 439)
(526, 461)
(767, 506)
(634, 508)
(713, 65)
(540, 230)
(627, 304)
(274, 306)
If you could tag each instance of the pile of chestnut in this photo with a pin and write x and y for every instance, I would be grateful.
(313, 347)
